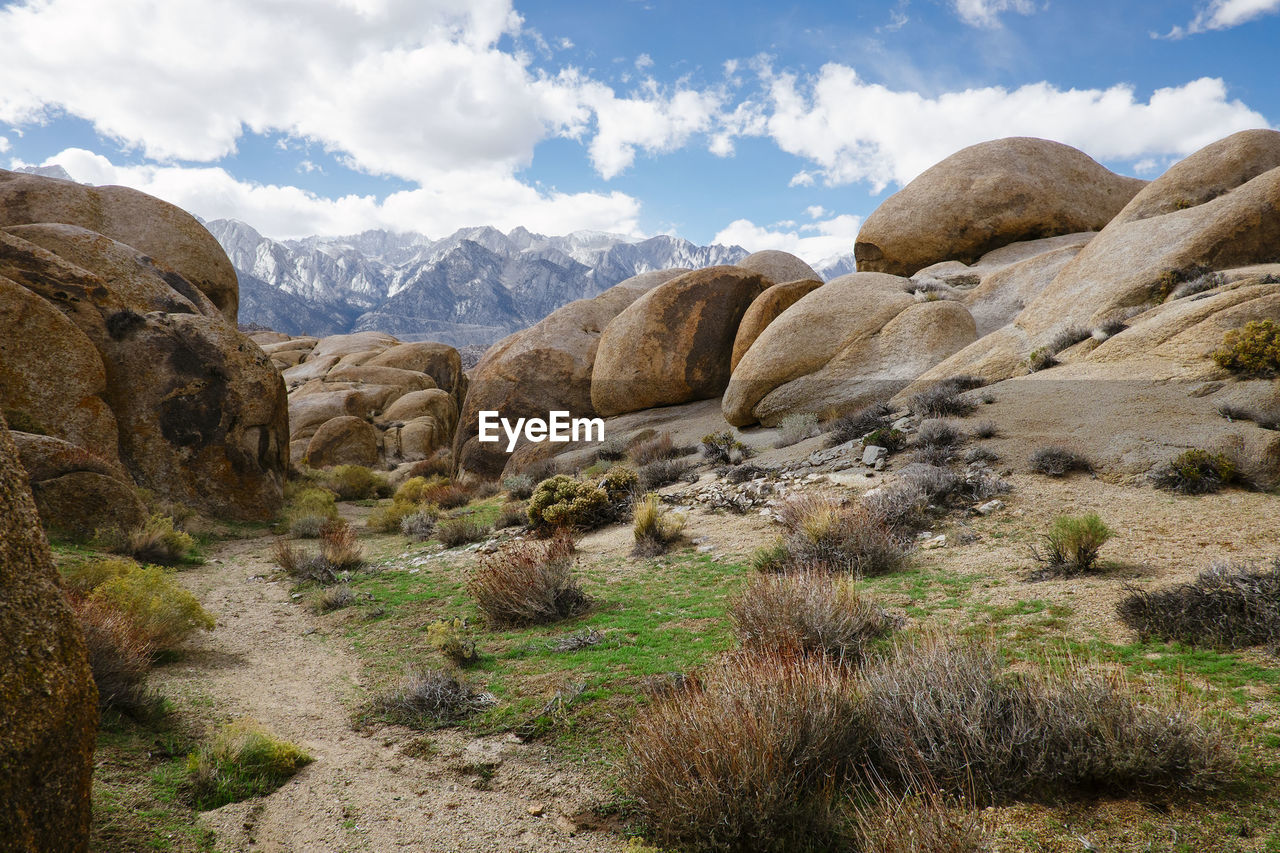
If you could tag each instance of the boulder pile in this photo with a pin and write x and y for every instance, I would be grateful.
(120, 361)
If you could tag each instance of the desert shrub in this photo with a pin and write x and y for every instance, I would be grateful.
(980, 454)
(1196, 472)
(420, 525)
(333, 598)
(519, 487)
(513, 514)
(771, 558)
(154, 541)
(749, 758)
(1072, 544)
(162, 612)
(807, 614)
(307, 526)
(84, 577)
(1057, 461)
(934, 455)
(482, 489)
(944, 399)
(724, 448)
(924, 821)
(414, 490)
(1253, 350)
(891, 440)
(956, 715)
(1229, 606)
(662, 472)
(1041, 358)
(1068, 337)
(1200, 284)
(562, 501)
(339, 553)
(612, 449)
(986, 429)
(828, 537)
(355, 482)
(339, 547)
(744, 472)
(462, 530)
(426, 699)
(389, 518)
(447, 495)
(655, 528)
(795, 428)
(655, 449)
(907, 503)
(120, 658)
(939, 433)
(856, 424)
(449, 636)
(242, 761)
(528, 583)
(309, 508)
(439, 465)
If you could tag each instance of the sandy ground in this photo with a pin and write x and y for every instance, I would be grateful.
(371, 791)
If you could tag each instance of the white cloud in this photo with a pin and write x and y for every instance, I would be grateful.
(644, 61)
(1225, 14)
(456, 199)
(986, 13)
(812, 243)
(4, 144)
(817, 211)
(656, 122)
(858, 131)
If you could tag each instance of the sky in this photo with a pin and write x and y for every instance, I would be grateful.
(765, 124)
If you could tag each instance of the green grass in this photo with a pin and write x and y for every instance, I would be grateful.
(655, 618)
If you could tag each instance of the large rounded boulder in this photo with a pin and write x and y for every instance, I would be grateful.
(48, 702)
(170, 236)
(986, 196)
(546, 367)
(855, 339)
(674, 343)
(778, 266)
(767, 308)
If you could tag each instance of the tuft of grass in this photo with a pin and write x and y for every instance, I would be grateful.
(747, 758)
(120, 657)
(724, 448)
(1196, 472)
(1057, 461)
(1073, 543)
(1229, 606)
(519, 487)
(333, 598)
(924, 821)
(462, 530)
(421, 524)
(155, 541)
(853, 426)
(529, 583)
(512, 515)
(808, 614)
(339, 553)
(426, 699)
(795, 428)
(659, 448)
(986, 429)
(162, 612)
(450, 638)
(662, 472)
(1253, 350)
(826, 536)
(242, 761)
(655, 528)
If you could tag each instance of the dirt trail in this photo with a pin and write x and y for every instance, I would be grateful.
(266, 660)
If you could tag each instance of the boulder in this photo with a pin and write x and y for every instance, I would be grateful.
(674, 343)
(778, 266)
(546, 367)
(764, 311)
(75, 491)
(439, 361)
(48, 702)
(173, 238)
(434, 403)
(986, 196)
(346, 440)
(855, 339)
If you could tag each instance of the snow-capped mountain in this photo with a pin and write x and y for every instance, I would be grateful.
(473, 287)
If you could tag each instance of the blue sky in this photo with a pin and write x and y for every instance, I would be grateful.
(771, 125)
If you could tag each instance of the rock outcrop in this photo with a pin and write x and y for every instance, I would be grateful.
(767, 308)
(48, 702)
(987, 196)
(853, 340)
(366, 398)
(778, 266)
(673, 344)
(547, 367)
(117, 312)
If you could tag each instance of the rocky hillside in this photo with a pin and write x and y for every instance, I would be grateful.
(473, 287)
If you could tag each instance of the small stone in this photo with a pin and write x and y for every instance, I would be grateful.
(705, 549)
(535, 810)
(939, 541)
(901, 424)
(874, 453)
(990, 507)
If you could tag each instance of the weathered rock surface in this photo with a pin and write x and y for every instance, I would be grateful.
(408, 393)
(673, 344)
(75, 491)
(987, 196)
(173, 238)
(546, 367)
(855, 339)
(778, 266)
(48, 702)
(125, 350)
(764, 310)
